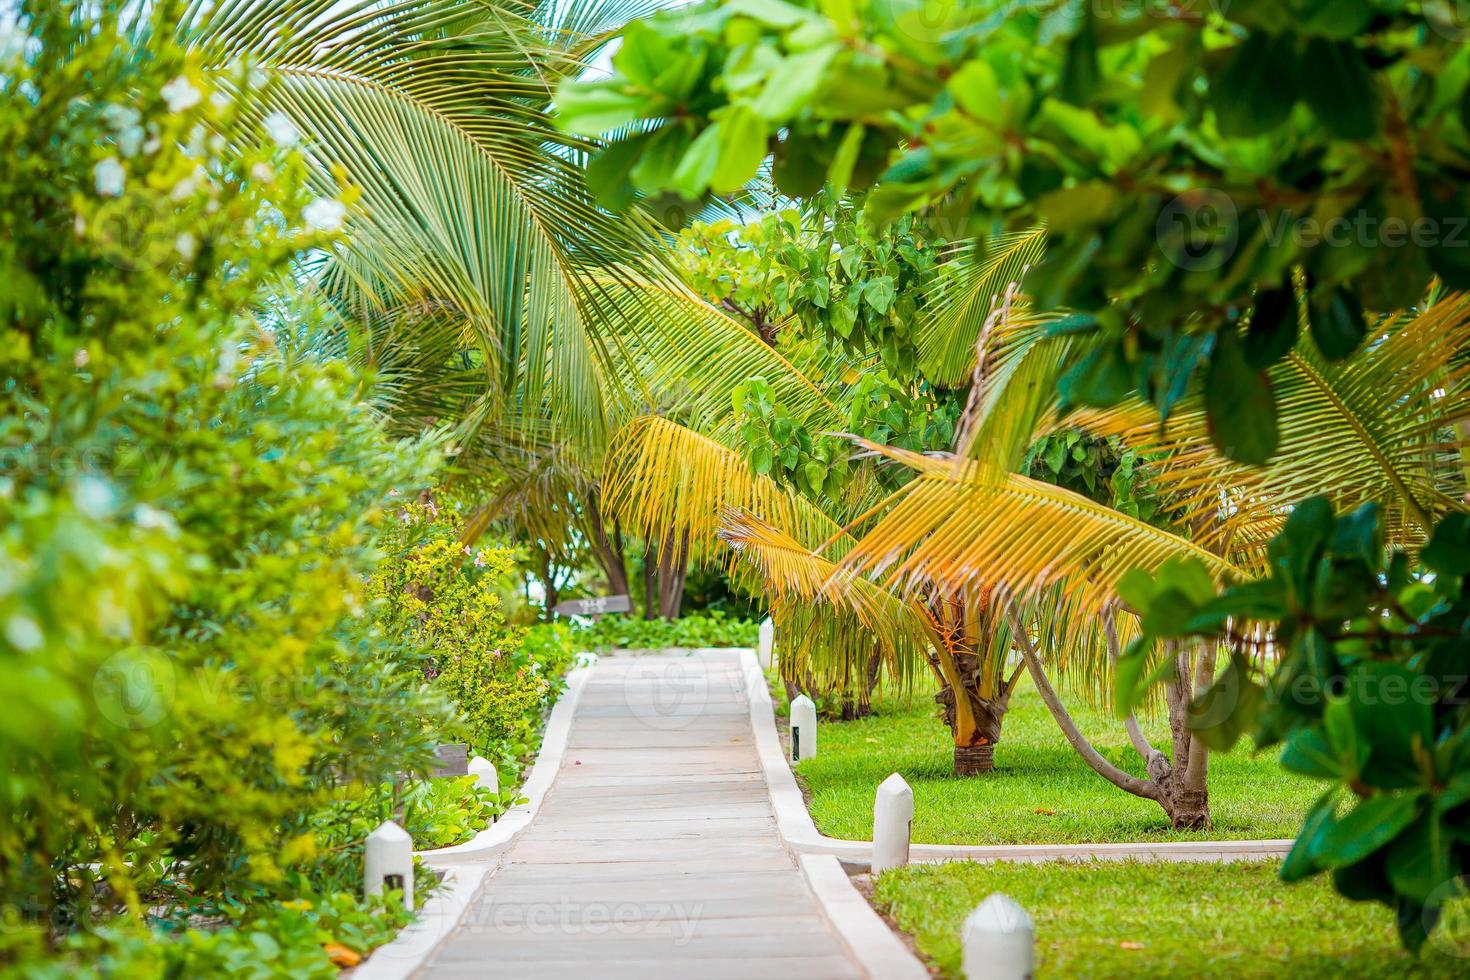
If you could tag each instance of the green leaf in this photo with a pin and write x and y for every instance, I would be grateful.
(697, 166)
(1337, 323)
(1334, 80)
(1448, 551)
(1298, 863)
(1255, 91)
(1308, 753)
(1420, 861)
(593, 108)
(793, 83)
(743, 139)
(1273, 327)
(879, 293)
(1240, 404)
(1370, 825)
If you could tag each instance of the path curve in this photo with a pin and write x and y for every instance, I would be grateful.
(655, 854)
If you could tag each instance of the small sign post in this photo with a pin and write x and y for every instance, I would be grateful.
(803, 728)
(999, 941)
(387, 859)
(893, 816)
(767, 643)
(599, 606)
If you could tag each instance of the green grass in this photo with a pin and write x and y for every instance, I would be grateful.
(1179, 920)
(1041, 791)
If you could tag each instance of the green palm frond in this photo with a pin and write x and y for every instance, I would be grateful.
(1379, 427)
(472, 203)
(964, 296)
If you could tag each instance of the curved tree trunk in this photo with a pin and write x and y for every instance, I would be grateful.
(1179, 786)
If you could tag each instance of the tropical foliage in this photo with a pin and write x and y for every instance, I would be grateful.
(1191, 165)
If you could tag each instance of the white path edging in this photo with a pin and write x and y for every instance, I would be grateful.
(795, 825)
(440, 915)
(875, 946)
(499, 834)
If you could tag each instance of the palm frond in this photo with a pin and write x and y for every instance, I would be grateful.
(969, 287)
(660, 476)
(970, 529)
(1379, 427)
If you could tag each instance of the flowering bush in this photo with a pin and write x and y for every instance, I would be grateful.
(189, 506)
(439, 595)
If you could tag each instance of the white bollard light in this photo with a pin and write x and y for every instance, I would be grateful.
(893, 816)
(484, 772)
(387, 861)
(999, 940)
(803, 728)
(767, 647)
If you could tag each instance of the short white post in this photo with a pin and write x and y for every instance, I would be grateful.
(484, 772)
(999, 940)
(767, 642)
(387, 861)
(803, 728)
(893, 816)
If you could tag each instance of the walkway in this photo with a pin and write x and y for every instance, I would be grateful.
(655, 855)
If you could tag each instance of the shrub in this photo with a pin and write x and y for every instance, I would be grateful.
(439, 595)
(706, 629)
(189, 502)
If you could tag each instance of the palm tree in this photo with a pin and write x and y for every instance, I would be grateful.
(1380, 427)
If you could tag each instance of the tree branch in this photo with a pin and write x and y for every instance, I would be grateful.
(1129, 784)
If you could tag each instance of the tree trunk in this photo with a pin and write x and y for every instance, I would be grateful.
(607, 548)
(1180, 787)
(650, 581)
(974, 746)
(971, 760)
(673, 566)
(548, 583)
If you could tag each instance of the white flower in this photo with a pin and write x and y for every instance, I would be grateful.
(79, 225)
(280, 128)
(109, 177)
(186, 245)
(263, 173)
(152, 519)
(81, 357)
(23, 632)
(180, 95)
(325, 214)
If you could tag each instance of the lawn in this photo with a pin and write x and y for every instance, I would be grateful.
(1040, 792)
(1169, 920)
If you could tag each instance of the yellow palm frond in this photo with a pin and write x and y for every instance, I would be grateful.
(660, 476)
(830, 622)
(971, 529)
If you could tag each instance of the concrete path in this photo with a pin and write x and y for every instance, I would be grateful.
(655, 855)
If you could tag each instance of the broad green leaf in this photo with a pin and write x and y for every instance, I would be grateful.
(1298, 863)
(1255, 91)
(1370, 825)
(1334, 81)
(743, 138)
(1337, 323)
(1240, 404)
